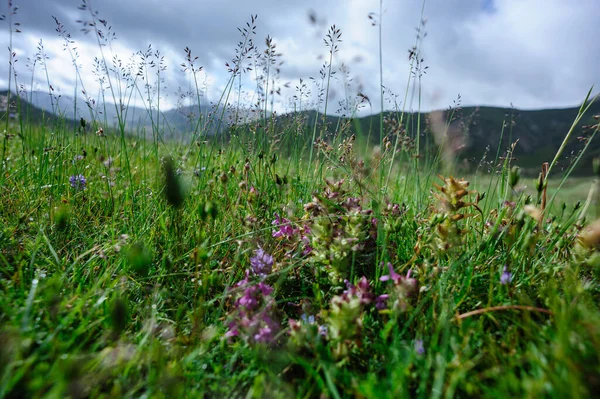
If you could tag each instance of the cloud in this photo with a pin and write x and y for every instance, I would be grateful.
(531, 53)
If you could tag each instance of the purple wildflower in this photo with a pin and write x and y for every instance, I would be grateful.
(419, 347)
(392, 276)
(402, 289)
(251, 318)
(306, 241)
(381, 302)
(261, 262)
(267, 330)
(506, 277)
(78, 182)
(397, 278)
(362, 291)
(285, 228)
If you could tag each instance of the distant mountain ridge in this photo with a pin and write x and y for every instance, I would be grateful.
(482, 130)
(172, 123)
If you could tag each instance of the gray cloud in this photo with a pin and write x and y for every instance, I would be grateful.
(532, 53)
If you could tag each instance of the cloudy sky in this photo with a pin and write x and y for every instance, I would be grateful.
(529, 53)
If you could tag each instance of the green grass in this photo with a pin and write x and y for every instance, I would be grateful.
(255, 267)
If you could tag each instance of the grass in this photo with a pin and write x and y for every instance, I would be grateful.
(265, 266)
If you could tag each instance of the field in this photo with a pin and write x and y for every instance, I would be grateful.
(262, 264)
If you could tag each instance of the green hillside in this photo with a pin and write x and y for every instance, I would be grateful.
(480, 131)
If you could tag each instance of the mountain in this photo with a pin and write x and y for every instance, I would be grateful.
(477, 133)
(172, 123)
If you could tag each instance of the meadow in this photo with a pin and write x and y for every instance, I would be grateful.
(285, 259)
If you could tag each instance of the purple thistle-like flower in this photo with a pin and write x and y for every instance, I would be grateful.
(261, 262)
(506, 277)
(78, 182)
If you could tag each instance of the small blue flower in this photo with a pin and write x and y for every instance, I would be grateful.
(78, 182)
(506, 277)
(308, 319)
(419, 347)
(323, 330)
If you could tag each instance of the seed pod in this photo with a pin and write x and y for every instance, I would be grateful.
(223, 178)
(173, 188)
(540, 183)
(119, 313)
(514, 176)
(596, 166)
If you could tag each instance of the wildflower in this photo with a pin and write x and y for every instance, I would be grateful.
(397, 278)
(308, 319)
(381, 302)
(306, 330)
(345, 316)
(419, 348)
(506, 277)
(285, 228)
(261, 262)
(403, 288)
(252, 317)
(78, 182)
(198, 172)
(323, 330)
(306, 241)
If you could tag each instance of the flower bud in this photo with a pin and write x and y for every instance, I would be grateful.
(596, 166)
(514, 176)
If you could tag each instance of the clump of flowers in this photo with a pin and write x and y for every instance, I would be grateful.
(78, 182)
(393, 217)
(403, 288)
(340, 228)
(449, 212)
(345, 315)
(261, 263)
(252, 318)
(284, 228)
(307, 330)
(291, 235)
